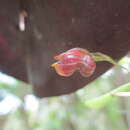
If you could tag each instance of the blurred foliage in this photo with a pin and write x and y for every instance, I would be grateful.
(106, 98)
(21, 110)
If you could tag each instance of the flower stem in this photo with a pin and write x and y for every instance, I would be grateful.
(98, 57)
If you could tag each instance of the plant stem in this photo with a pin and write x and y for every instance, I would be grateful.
(98, 57)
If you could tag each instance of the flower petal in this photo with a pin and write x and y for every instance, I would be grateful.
(75, 59)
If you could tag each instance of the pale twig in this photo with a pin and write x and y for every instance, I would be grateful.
(122, 94)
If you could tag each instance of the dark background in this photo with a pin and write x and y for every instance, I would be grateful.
(54, 26)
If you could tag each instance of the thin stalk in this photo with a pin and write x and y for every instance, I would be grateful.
(98, 57)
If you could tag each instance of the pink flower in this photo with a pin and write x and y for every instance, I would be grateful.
(76, 59)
